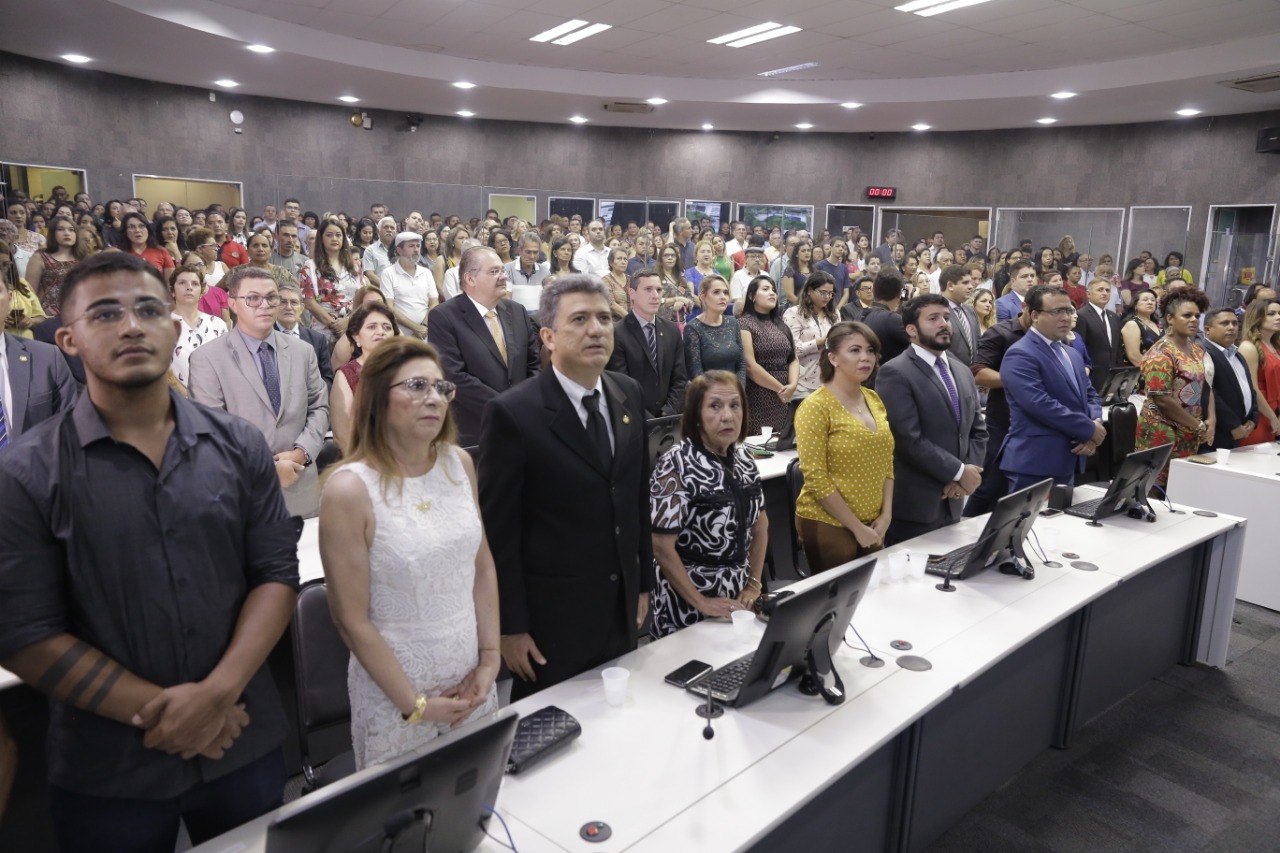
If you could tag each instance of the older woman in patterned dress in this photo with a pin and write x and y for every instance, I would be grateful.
(710, 530)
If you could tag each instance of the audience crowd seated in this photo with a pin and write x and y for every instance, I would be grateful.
(920, 377)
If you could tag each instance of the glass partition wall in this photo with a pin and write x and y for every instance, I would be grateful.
(1096, 231)
(38, 182)
(1158, 230)
(1239, 250)
(842, 217)
(957, 224)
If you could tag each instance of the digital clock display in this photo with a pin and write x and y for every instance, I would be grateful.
(882, 192)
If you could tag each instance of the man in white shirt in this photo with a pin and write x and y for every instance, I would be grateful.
(739, 241)
(941, 259)
(525, 274)
(410, 290)
(753, 265)
(593, 256)
(379, 255)
(937, 246)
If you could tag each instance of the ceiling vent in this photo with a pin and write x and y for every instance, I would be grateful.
(627, 107)
(1262, 83)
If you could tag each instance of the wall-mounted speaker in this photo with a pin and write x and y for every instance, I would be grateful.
(1269, 140)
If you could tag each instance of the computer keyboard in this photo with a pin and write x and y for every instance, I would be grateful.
(726, 680)
(952, 562)
(1088, 509)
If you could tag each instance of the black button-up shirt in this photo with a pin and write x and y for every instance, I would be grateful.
(149, 566)
(992, 346)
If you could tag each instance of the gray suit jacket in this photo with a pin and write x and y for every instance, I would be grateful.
(40, 381)
(224, 376)
(929, 446)
(960, 348)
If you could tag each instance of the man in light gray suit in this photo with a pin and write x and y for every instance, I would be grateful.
(939, 434)
(35, 382)
(956, 283)
(271, 380)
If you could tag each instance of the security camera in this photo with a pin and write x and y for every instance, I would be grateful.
(414, 121)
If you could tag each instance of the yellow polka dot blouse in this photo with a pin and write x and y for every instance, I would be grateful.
(839, 454)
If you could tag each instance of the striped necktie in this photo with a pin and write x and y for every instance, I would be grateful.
(4, 426)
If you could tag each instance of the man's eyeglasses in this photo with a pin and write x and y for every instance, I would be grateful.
(253, 300)
(1068, 311)
(419, 387)
(145, 310)
(207, 246)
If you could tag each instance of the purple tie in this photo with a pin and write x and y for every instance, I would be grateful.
(941, 364)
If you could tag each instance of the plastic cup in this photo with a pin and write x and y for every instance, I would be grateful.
(742, 621)
(615, 685)
(766, 432)
(1223, 454)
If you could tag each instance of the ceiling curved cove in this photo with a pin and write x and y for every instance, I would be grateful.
(985, 67)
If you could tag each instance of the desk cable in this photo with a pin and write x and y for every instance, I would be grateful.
(1035, 547)
(866, 647)
(511, 845)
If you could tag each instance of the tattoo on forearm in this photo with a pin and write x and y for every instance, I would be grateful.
(110, 681)
(83, 684)
(53, 676)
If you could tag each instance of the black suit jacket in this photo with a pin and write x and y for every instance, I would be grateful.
(663, 386)
(45, 334)
(571, 541)
(320, 344)
(40, 382)
(1228, 401)
(889, 329)
(472, 360)
(1104, 355)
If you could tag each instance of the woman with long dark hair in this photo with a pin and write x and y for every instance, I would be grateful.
(331, 280)
(809, 322)
(47, 269)
(136, 237)
(773, 372)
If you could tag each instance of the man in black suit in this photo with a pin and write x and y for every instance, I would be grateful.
(287, 317)
(883, 317)
(1235, 406)
(648, 348)
(956, 283)
(564, 492)
(46, 333)
(487, 343)
(1100, 328)
(35, 382)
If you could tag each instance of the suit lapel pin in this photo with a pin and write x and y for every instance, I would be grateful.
(22, 358)
(626, 419)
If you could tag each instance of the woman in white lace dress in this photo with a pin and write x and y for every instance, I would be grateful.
(411, 581)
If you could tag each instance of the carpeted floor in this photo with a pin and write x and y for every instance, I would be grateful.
(1191, 762)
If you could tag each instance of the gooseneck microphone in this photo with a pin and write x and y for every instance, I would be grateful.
(946, 585)
(707, 732)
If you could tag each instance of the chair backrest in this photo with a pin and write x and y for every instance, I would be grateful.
(1122, 429)
(320, 660)
(795, 482)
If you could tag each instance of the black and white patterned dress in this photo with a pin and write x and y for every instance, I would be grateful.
(710, 504)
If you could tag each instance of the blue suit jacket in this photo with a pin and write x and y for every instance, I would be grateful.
(1008, 306)
(1048, 414)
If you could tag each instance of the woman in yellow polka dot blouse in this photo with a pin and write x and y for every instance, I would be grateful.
(846, 454)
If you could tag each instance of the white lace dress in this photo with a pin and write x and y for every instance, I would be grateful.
(421, 578)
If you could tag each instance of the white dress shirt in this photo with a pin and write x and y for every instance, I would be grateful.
(931, 361)
(5, 388)
(576, 392)
(410, 291)
(452, 286)
(592, 260)
(1246, 386)
(1102, 315)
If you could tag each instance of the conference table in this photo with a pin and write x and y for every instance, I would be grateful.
(1015, 667)
(1248, 485)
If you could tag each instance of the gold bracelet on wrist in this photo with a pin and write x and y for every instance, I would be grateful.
(419, 708)
(755, 582)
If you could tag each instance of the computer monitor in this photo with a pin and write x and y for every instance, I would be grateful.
(806, 626)
(1121, 384)
(1127, 491)
(1003, 538)
(431, 799)
(664, 433)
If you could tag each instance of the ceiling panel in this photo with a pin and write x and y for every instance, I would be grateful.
(420, 11)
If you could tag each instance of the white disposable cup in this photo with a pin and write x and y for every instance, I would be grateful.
(900, 566)
(615, 685)
(766, 432)
(1223, 454)
(742, 621)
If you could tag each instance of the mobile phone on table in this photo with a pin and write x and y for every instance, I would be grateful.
(1049, 512)
(689, 673)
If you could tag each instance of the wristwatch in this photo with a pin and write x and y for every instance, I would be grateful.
(305, 455)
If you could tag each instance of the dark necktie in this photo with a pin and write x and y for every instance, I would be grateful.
(4, 426)
(941, 364)
(270, 374)
(1064, 361)
(653, 343)
(596, 429)
(963, 322)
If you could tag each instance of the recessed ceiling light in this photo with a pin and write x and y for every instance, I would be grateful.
(226, 84)
(779, 71)
(1188, 112)
(708, 126)
(556, 32)
(749, 31)
(76, 58)
(772, 34)
(579, 119)
(463, 84)
(657, 102)
(261, 48)
(920, 127)
(1062, 96)
(583, 33)
(465, 113)
(928, 8)
(851, 105)
(1045, 120)
(348, 99)
(804, 125)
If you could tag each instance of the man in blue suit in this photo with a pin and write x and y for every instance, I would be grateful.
(1022, 277)
(1055, 415)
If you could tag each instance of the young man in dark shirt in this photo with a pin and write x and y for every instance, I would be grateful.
(147, 567)
(992, 346)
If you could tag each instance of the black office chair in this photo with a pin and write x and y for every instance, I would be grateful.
(320, 678)
(795, 482)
